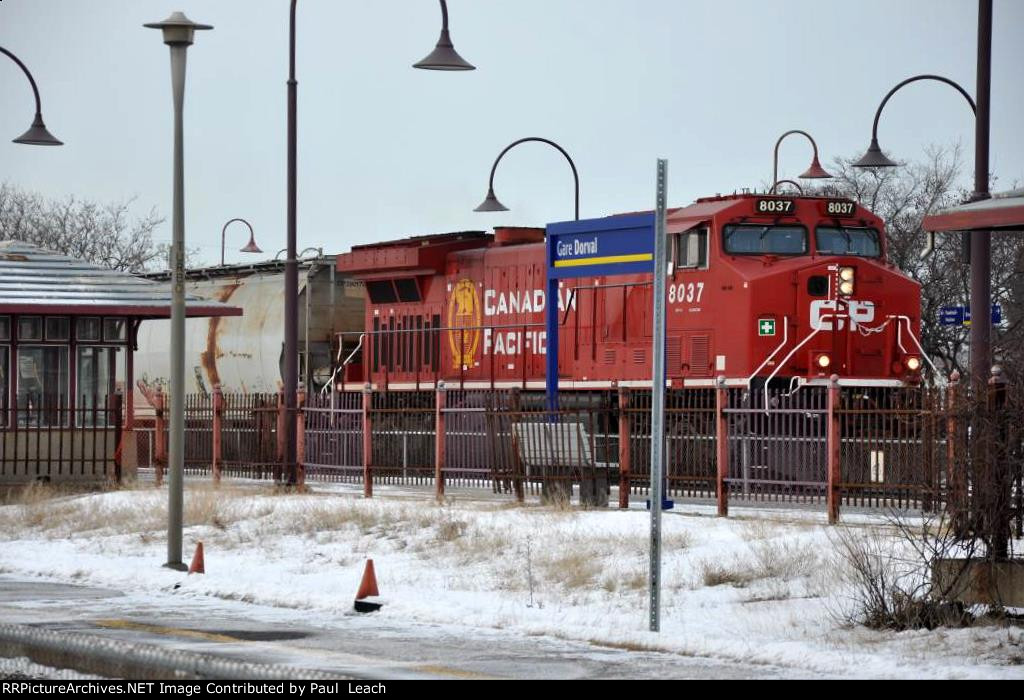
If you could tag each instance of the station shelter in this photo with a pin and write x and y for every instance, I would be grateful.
(68, 330)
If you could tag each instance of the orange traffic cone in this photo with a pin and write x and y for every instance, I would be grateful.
(198, 566)
(368, 597)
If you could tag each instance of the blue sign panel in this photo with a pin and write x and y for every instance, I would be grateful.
(617, 245)
(961, 315)
(952, 315)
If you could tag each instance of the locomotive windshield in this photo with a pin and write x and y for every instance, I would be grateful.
(863, 242)
(751, 239)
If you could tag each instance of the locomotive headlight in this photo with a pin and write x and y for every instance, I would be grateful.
(913, 363)
(846, 281)
(824, 361)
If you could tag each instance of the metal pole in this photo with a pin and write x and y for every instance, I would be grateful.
(291, 268)
(658, 397)
(176, 451)
(981, 242)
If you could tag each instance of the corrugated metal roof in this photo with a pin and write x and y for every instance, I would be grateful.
(33, 280)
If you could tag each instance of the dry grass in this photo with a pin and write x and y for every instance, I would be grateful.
(577, 568)
(765, 559)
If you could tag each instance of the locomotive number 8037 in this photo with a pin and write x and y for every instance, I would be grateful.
(760, 289)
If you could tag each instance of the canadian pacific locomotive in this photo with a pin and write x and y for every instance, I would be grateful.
(760, 289)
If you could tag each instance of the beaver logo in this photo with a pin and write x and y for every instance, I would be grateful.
(464, 321)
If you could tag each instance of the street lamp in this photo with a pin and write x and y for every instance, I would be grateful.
(874, 157)
(814, 172)
(37, 135)
(444, 57)
(491, 202)
(178, 33)
(250, 247)
(981, 286)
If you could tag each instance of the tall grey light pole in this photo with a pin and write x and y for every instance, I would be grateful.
(178, 32)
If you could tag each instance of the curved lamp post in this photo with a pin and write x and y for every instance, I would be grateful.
(980, 245)
(794, 183)
(814, 172)
(444, 57)
(491, 202)
(178, 33)
(874, 158)
(37, 134)
(250, 247)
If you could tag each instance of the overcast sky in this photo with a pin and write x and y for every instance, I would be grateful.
(386, 151)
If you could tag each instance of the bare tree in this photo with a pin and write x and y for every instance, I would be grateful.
(105, 234)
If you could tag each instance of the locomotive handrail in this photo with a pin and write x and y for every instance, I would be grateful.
(803, 342)
(785, 339)
(910, 330)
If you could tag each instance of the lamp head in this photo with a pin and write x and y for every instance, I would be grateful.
(491, 203)
(816, 172)
(38, 135)
(444, 56)
(874, 158)
(178, 29)
(251, 246)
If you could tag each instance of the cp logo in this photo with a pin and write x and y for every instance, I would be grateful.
(823, 314)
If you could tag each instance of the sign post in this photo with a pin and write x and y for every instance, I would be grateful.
(658, 396)
(619, 245)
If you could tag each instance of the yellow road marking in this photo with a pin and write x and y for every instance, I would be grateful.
(458, 673)
(166, 631)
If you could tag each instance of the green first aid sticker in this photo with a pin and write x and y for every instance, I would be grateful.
(766, 326)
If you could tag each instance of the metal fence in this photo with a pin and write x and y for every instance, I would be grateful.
(854, 447)
(52, 441)
(334, 437)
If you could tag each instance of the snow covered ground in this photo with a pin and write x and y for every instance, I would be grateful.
(762, 586)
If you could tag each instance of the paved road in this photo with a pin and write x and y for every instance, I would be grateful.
(365, 646)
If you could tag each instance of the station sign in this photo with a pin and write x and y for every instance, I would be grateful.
(961, 315)
(615, 245)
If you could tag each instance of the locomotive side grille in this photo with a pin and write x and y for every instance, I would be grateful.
(699, 353)
(674, 353)
(639, 356)
(610, 356)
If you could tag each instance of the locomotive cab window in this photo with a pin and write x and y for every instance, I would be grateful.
(758, 239)
(834, 240)
(692, 249)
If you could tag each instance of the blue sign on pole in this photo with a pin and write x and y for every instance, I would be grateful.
(616, 245)
(961, 315)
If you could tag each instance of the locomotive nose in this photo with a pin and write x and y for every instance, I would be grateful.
(860, 322)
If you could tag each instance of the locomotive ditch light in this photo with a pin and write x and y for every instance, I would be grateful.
(913, 363)
(824, 361)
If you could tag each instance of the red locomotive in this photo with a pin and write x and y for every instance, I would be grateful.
(762, 288)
